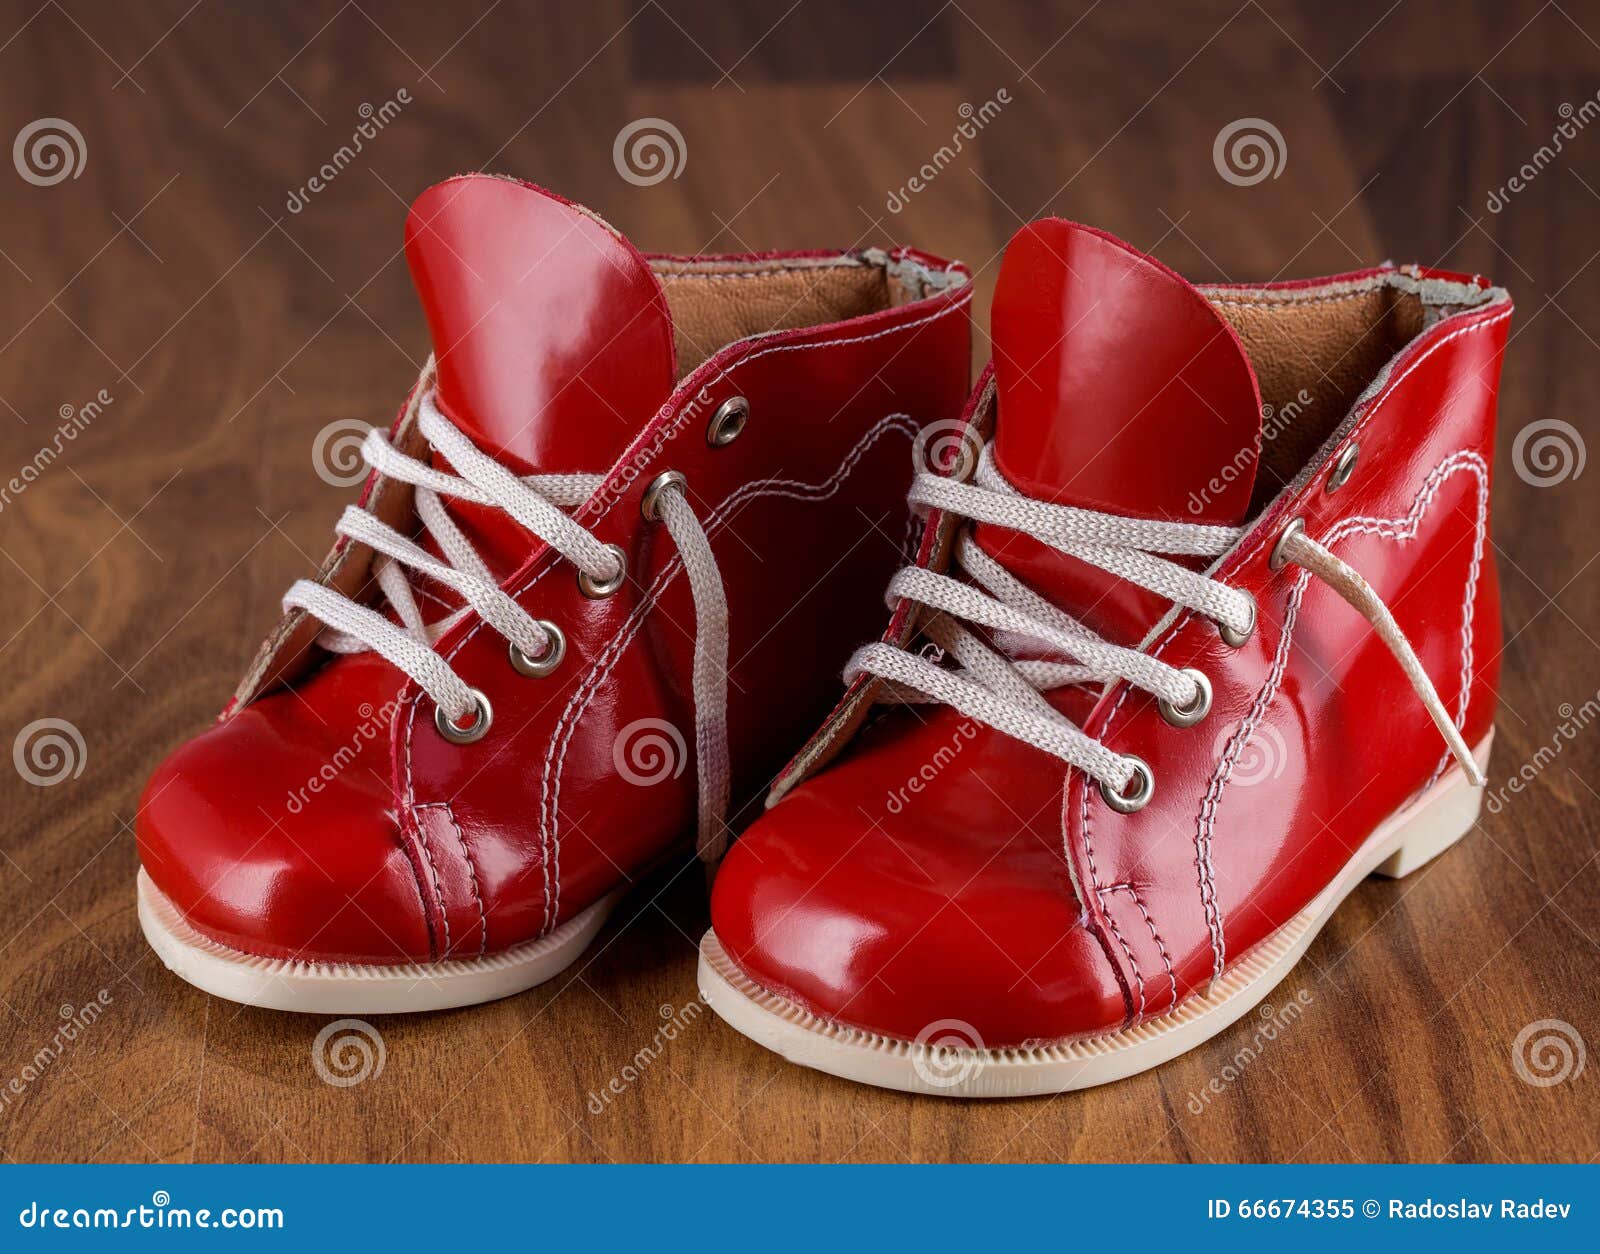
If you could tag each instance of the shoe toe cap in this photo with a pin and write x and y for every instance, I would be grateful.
(270, 842)
(907, 925)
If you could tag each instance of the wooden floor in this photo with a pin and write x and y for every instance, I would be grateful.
(221, 331)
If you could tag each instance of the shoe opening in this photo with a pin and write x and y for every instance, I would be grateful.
(1317, 347)
(715, 301)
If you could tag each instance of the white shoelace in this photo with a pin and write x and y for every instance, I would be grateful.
(1005, 693)
(536, 502)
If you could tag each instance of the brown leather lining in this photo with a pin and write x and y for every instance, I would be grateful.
(713, 304)
(1314, 354)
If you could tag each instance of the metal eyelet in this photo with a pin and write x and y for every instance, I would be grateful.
(1143, 784)
(1294, 527)
(546, 662)
(599, 589)
(1234, 638)
(1189, 715)
(727, 422)
(482, 716)
(1343, 467)
(648, 506)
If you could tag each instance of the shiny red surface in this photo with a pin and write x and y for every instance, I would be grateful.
(938, 870)
(332, 822)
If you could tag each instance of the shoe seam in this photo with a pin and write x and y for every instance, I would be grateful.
(959, 300)
(1373, 407)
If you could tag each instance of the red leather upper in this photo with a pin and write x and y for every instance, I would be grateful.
(330, 821)
(940, 870)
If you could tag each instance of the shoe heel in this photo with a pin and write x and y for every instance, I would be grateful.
(1434, 822)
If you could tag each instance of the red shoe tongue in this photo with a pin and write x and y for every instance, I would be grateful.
(551, 334)
(1121, 389)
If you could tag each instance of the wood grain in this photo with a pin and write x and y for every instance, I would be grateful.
(147, 558)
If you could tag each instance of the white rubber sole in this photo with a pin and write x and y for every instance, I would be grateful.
(1404, 842)
(349, 988)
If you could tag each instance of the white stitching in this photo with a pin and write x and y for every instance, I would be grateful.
(550, 798)
(1166, 959)
(1400, 530)
(1373, 406)
(958, 303)
(438, 887)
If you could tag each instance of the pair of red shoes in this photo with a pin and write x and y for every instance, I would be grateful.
(1194, 625)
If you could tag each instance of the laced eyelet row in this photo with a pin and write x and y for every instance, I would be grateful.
(1190, 714)
(555, 651)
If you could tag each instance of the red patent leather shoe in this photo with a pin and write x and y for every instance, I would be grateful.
(627, 527)
(1204, 629)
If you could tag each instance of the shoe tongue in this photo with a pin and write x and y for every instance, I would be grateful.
(1121, 389)
(551, 336)
(550, 333)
